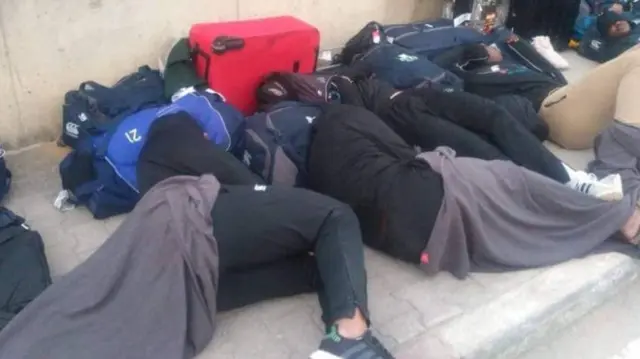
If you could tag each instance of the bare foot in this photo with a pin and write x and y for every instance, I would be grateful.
(631, 229)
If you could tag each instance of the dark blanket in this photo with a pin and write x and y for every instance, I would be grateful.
(176, 145)
(148, 292)
(617, 150)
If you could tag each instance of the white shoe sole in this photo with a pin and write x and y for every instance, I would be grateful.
(610, 196)
(320, 354)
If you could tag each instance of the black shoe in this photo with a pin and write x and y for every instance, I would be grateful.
(334, 346)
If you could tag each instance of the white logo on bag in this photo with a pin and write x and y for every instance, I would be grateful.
(595, 44)
(407, 58)
(72, 129)
(133, 136)
(260, 188)
(83, 117)
(310, 118)
(246, 158)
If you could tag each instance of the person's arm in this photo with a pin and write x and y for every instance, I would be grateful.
(531, 58)
(451, 57)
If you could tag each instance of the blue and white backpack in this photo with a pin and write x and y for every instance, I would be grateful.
(111, 187)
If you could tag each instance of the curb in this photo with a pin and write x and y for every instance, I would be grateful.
(519, 319)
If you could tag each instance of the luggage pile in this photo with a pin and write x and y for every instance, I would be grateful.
(254, 89)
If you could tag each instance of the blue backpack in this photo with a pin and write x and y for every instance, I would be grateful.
(101, 172)
(91, 181)
(222, 123)
(91, 110)
(403, 68)
(431, 38)
(277, 142)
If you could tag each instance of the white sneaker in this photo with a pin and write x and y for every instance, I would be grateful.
(609, 188)
(542, 44)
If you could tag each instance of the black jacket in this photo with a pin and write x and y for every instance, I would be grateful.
(176, 146)
(357, 159)
(523, 71)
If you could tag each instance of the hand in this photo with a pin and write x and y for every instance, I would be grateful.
(617, 8)
(512, 38)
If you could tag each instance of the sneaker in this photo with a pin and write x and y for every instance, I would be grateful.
(543, 45)
(609, 188)
(334, 346)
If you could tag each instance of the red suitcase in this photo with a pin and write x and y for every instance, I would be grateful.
(235, 56)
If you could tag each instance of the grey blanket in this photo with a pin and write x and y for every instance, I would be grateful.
(498, 215)
(617, 150)
(148, 292)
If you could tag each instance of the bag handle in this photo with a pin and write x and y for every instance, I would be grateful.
(197, 51)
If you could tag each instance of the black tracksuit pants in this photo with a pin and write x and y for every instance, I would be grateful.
(280, 241)
(473, 126)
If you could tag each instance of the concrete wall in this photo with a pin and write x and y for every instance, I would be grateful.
(49, 46)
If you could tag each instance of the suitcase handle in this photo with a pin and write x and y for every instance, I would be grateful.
(222, 44)
(197, 51)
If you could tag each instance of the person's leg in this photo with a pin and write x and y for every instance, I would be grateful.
(577, 112)
(255, 226)
(430, 132)
(484, 117)
(284, 278)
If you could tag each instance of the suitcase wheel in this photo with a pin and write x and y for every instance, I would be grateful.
(222, 44)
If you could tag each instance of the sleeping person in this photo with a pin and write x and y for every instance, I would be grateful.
(455, 214)
(611, 35)
(576, 113)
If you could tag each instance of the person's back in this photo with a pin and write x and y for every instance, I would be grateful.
(357, 159)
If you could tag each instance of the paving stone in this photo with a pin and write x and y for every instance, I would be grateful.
(89, 236)
(61, 259)
(403, 327)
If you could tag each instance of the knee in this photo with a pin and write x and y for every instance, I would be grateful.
(633, 55)
(342, 213)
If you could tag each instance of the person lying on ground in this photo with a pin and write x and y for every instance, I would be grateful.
(279, 226)
(166, 148)
(576, 112)
(193, 247)
(469, 124)
(455, 214)
(590, 9)
(610, 36)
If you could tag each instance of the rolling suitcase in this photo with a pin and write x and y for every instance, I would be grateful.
(234, 57)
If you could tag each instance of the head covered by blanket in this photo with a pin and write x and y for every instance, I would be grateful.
(176, 145)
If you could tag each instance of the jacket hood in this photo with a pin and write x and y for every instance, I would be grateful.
(608, 19)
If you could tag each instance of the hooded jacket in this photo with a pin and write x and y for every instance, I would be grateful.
(522, 72)
(176, 145)
(598, 46)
